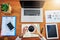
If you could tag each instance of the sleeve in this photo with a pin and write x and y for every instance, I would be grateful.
(18, 38)
(43, 38)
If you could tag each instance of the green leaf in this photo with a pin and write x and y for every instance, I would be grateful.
(4, 7)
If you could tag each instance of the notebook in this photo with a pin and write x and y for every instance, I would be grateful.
(8, 26)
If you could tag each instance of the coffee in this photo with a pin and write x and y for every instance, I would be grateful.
(31, 28)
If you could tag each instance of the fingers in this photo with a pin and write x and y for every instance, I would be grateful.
(25, 29)
(35, 30)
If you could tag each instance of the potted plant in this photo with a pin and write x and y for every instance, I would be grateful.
(6, 8)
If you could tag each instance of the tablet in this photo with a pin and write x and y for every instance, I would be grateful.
(52, 31)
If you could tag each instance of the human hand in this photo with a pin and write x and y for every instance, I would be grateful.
(25, 29)
(35, 30)
(38, 33)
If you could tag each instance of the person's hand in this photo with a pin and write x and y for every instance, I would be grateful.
(25, 29)
(35, 30)
(38, 33)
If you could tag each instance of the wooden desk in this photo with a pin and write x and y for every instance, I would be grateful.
(16, 11)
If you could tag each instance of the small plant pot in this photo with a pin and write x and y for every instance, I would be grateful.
(6, 8)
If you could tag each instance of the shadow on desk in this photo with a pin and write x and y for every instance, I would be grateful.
(1, 38)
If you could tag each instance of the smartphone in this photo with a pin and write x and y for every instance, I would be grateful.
(10, 26)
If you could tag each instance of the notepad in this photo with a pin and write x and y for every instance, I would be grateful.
(52, 16)
(8, 26)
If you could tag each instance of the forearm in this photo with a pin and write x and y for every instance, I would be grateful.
(21, 35)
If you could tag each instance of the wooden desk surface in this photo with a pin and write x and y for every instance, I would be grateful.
(16, 11)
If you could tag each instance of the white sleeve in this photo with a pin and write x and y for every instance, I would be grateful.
(18, 38)
(43, 38)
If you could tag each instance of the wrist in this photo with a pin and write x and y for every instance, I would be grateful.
(40, 35)
(21, 36)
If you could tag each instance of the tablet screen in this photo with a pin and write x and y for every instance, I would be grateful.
(52, 31)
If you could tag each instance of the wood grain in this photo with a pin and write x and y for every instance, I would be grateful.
(16, 11)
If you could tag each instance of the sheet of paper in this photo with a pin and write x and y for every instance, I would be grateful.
(5, 31)
(52, 16)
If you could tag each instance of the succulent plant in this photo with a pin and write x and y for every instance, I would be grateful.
(4, 7)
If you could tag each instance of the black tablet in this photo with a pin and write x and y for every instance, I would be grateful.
(52, 31)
